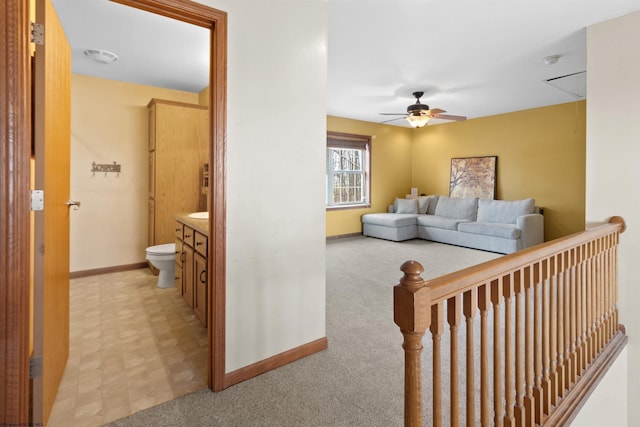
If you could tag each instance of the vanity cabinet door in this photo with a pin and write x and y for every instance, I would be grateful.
(177, 279)
(187, 275)
(200, 288)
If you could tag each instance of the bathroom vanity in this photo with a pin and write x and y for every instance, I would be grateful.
(191, 278)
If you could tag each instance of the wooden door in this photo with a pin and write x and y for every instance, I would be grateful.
(52, 134)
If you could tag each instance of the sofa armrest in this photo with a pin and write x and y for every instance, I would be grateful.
(531, 229)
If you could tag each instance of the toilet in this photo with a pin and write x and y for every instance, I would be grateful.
(162, 257)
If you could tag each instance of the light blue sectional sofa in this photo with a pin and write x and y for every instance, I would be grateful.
(501, 226)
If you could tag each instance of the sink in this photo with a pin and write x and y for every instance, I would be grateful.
(199, 215)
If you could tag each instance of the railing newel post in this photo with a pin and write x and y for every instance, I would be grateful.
(411, 303)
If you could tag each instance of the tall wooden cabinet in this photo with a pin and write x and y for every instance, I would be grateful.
(178, 150)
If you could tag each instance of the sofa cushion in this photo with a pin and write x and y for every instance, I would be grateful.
(504, 211)
(390, 219)
(508, 231)
(437, 221)
(405, 206)
(457, 207)
(427, 204)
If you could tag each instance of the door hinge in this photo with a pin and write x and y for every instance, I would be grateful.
(35, 367)
(37, 33)
(37, 200)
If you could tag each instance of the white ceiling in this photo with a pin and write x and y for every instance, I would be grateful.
(471, 58)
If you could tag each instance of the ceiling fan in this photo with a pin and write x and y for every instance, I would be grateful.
(419, 114)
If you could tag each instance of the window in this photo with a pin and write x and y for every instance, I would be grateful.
(348, 159)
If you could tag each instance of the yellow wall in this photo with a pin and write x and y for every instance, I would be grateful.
(390, 170)
(541, 154)
(109, 122)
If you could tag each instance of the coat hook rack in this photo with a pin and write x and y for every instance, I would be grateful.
(105, 168)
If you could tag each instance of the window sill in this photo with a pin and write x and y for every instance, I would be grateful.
(345, 207)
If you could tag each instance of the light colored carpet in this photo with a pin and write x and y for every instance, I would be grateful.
(358, 381)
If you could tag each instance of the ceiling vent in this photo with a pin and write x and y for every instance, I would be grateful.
(573, 84)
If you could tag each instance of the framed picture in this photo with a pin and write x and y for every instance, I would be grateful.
(473, 177)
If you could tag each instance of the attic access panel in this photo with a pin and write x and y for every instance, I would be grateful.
(572, 84)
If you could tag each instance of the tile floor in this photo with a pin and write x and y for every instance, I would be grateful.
(132, 346)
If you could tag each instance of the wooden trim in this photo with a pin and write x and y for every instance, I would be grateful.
(273, 362)
(106, 270)
(15, 152)
(216, 21)
(343, 236)
(176, 103)
(182, 10)
(578, 395)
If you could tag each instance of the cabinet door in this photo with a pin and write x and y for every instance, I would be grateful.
(152, 223)
(152, 127)
(187, 275)
(152, 174)
(200, 285)
(177, 278)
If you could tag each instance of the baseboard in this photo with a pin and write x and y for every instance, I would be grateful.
(575, 398)
(274, 362)
(105, 270)
(344, 236)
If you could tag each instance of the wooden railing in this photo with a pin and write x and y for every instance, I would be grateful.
(552, 311)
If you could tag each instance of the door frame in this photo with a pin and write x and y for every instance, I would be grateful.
(15, 154)
(216, 21)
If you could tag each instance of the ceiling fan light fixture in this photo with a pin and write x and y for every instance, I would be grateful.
(418, 120)
(101, 56)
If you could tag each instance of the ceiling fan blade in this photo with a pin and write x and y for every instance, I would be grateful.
(449, 117)
(393, 114)
(391, 120)
(435, 111)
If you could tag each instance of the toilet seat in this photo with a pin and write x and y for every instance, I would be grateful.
(166, 249)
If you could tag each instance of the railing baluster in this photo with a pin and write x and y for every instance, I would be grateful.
(529, 402)
(537, 333)
(592, 306)
(520, 414)
(580, 307)
(509, 392)
(483, 305)
(568, 343)
(437, 329)
(470, 301)
(546, 356)
(600, 297)
(454, 315)
(553, 327)
(498, 405)
(562, 317)
(573, 338)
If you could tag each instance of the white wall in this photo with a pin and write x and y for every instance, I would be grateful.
(604, 407)
(613, 174)
(276, 136)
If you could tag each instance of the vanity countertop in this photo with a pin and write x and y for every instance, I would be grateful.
(201, 225)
